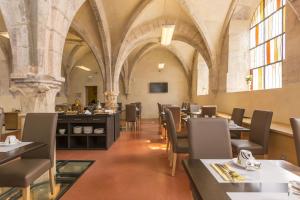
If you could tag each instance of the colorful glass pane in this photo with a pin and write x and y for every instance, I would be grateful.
(267, 44)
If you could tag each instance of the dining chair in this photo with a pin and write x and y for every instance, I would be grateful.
(295, 124)
(178, 145)
(259, 134)
(209, 138)
(38, 127)
(237, 116)
(131, 117)
(209, 111)
(176, 116)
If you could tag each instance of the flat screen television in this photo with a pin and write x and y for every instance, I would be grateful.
(158, 87)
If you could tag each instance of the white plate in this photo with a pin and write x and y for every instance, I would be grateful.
(3, 144)
(235, 161)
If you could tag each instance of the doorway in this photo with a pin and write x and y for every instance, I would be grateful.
(91, 94)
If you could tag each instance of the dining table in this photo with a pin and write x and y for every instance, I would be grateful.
(6, 156)
(231, 127)
(270, 182)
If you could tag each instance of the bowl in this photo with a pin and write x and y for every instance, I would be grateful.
(62, 131)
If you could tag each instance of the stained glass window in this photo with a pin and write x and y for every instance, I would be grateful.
(267, 44)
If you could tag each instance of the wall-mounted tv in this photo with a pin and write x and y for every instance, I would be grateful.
(161, 87)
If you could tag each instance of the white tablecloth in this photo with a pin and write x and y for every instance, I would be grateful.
(257, 196)
(11, 148)
(269, 172)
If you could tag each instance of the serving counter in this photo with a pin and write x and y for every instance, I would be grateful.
(87, 131)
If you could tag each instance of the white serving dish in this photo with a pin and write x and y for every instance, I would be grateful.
(98, 130)
(87, 129)
(62, 131)
(77, 129)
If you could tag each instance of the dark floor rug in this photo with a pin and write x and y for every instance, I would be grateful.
(67, 173)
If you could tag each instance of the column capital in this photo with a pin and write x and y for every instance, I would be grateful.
(35, 96)
(111, 99)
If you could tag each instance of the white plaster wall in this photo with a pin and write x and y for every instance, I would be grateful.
(80, 79)
(202, 79)
(238, 58)
(146, 71)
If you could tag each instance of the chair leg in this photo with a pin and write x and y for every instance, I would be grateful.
(167, 148)
(174, 163)
(52, 181)
(171, 157)
(26, 193)
(126, 126)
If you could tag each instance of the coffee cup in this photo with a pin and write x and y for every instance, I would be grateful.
(244, 157)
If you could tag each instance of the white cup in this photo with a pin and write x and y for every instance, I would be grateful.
(11, 139)
(244, 158)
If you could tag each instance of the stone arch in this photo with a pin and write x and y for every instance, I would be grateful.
(183, 32)
(18, 28)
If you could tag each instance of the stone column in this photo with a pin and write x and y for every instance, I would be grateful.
(36, 96)
(111, 98)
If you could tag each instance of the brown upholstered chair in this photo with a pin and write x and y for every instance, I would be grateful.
(209, 138)
(178, 145)
(38, 127)
(176, 116)
(259, 134)
(131, 117)
(209, 111)
(237, 116)
(295, 123)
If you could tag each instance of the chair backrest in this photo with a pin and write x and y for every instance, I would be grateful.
(131, 113)
(1, 120)
(176, 116)
(209, 111)
(40, 127)
(238, 115)
(171, 129)
(295, 123)
(159, 108)
(209, 138)
(194, 108)
(260, 128)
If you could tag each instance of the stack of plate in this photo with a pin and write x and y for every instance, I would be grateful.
(87, 129)
(99, 131)
(77, 129)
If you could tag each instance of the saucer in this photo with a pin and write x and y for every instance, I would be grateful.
(3, 144)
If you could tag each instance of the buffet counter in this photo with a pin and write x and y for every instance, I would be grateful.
(98, 131)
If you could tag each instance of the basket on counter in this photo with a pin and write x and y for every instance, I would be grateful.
(77, 129)
(87, 129)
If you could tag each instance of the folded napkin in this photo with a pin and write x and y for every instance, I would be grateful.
(227, 173)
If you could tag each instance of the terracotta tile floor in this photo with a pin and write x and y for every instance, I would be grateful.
(133, 168)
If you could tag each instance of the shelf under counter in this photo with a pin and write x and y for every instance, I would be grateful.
(108, 122)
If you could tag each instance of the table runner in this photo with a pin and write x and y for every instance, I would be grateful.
(10, 148)
(269, 173)
(257, 196)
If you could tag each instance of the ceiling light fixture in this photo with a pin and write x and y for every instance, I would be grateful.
(167, 34)
(4, 34)
(161, 66)
(84, 68)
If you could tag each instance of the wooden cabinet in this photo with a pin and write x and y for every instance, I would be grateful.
(70, 139)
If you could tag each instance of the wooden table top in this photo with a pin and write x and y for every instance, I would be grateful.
(7, 156)
(206, 186)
